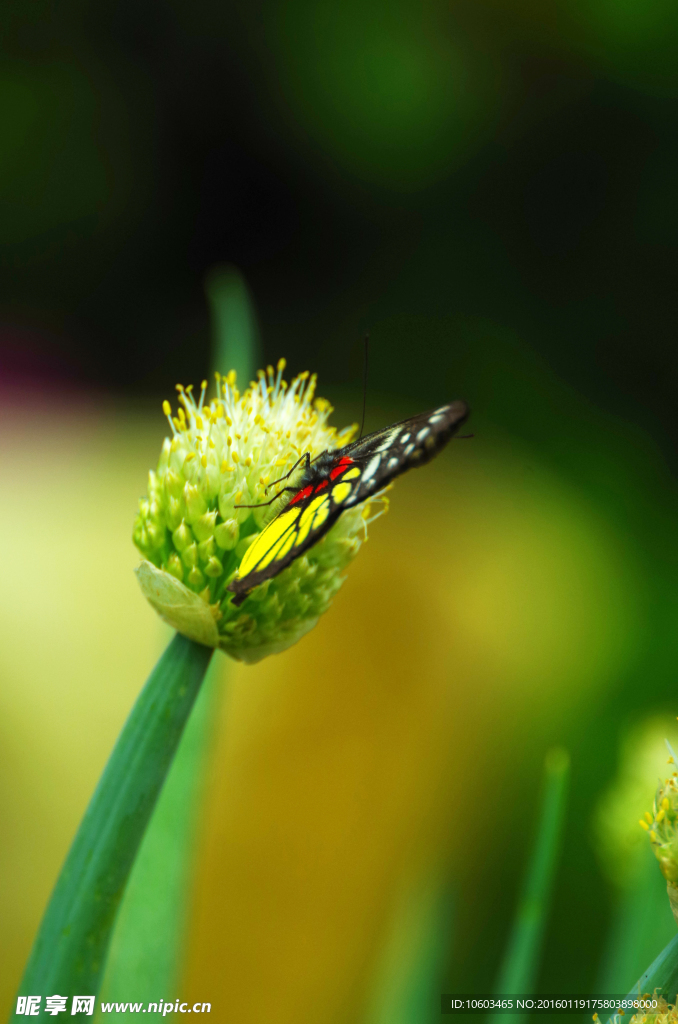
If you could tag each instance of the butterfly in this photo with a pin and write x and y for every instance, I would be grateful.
(337, 480)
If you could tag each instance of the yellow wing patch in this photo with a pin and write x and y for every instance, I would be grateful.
(307, 515)
(273, 553)
(291, 528)
(340, 492)
(287, 546)
(321, 515)
(265, 548)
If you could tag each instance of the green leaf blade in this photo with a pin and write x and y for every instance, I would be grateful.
(151, 931)
(660, 978)
(521, 961)
(69, 953)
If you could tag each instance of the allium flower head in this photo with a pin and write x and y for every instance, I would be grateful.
(658, 1011)
(661, 824)
(223, 453)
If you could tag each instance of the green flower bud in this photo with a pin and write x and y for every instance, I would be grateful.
(196, 578)
(243, 544)
(207, 549)
(196, 506)
(174, 512)
(192, 532)
(156, 535)
(182, 536)
(174, 566)
(203, 528)
(214, 568)
(189, 556)
(174, 485)
(226, 534)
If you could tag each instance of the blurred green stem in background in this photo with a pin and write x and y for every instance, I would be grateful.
(521, 960)
(643, 924)
(410, 974)
(410, 970)
(234, 325)
(149, 940)
(69, 953)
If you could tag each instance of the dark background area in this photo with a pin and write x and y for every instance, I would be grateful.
(489, 189)
(355, 180)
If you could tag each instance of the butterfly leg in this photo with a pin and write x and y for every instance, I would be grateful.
(262, 504)
(288, 475)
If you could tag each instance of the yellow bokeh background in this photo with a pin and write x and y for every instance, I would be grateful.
(490, 607)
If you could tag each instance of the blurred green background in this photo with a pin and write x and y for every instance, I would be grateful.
(491, 191)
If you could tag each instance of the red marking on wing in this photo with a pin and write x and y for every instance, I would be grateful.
(340, 468)
(321, 487)
(301, 495)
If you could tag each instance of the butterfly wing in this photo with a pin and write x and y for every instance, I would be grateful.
(309, 515)
(386, 454)
(347, 477)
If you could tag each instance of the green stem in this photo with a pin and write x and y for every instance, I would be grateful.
(234, 323)
(146, 954)
(521, 961)
(69, 953)
(642, 925)
(661, 979)
(409, 973)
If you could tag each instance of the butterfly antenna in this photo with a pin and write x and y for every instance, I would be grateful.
(367, 341)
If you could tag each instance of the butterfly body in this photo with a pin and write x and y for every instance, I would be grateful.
(340, 479)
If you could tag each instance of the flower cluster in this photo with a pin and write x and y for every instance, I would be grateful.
(225, 453)
(662, 826)
(664, 1013)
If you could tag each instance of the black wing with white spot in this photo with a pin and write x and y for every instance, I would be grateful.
(387, 453)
